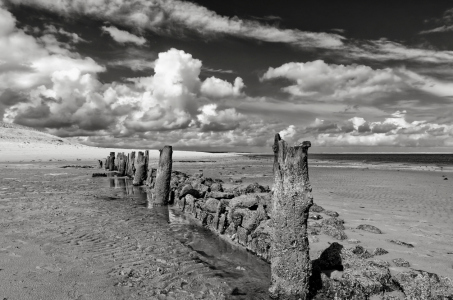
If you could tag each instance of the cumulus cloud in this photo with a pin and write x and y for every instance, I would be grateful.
(55, 89)
(288, 132)
(163, 16)
(330, 82)
(394, 130)
(122, 36)
(337, 82)
(215, 87)
(133, 64)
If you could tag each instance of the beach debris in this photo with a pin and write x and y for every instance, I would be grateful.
(379, 251)
(99, 175)
(291, 201)
(408, 245)
(316, 208)
(369, 228)
(400, 262)
(77, 167)
(331, 213)
(162, 186)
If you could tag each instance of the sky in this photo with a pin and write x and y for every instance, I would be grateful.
(349, 76)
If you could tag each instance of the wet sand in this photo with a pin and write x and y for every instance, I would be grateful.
(65, 235)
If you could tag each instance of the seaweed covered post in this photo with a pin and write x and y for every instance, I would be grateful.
(112, 161)
(163, 176)
(140, 169)
(290, 261)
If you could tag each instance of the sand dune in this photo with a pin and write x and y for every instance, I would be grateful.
(23, 144)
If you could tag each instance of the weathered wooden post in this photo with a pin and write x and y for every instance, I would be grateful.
(130, 164)
(122, 161)
(140, 169)
(112, 161)
(290, 261)
(107, 163)
(163, 176)
(100, 163)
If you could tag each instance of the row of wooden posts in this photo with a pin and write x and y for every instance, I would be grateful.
(291, 201)
(142, 173)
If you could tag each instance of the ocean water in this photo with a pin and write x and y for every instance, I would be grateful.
(420, 159)
(417, 159)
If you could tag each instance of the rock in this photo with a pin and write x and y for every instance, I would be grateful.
(184, 190)
(379, 251)
(369, 228)
(401, 243)
(197, 175)
(316, 208)
(331, 213)
(220, 195)
(418, 285)
(313, 239)
(242, 236)
(188, 190)
(99, 175)
(222, 225)
(190, 204)
(260, 240)
(211, 205)
(335, 222)
(399, 262)
(353, 241)
(361, 252)
(235, 180)
(314, 216)
(256, 188)
(245, 201)
(216, 187)
(334, 232)
(252, 218)
(380, 263)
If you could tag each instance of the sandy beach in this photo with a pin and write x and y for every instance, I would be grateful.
(66, 235)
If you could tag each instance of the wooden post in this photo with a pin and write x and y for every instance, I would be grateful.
(146, 165)
(163, 176)
(100, 163)
(140, 169)
(130, 166)
(107, 163)
(290, 260)
(112, 161)
(122, 161)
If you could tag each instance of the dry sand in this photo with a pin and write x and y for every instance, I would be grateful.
(65, 235)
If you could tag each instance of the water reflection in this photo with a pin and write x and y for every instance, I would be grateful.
(237, 267)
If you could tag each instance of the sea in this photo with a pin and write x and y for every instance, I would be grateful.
(437, 159)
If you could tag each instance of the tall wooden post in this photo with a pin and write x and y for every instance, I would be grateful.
(112, 161)
(122, 164)
(140, 169)
(290, 261)
(163, 176)
(130, 165)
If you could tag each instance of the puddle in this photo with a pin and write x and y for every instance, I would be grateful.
(244, 272)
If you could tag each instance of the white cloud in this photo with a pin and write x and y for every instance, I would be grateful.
(215, 87)
(133, 64)
(212, 119)
(163, 16)
(122, 36)
(336, 82)
(288, 132)
(394, 130)
(75, 38)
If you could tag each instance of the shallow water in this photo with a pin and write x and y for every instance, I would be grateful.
(240, 269)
